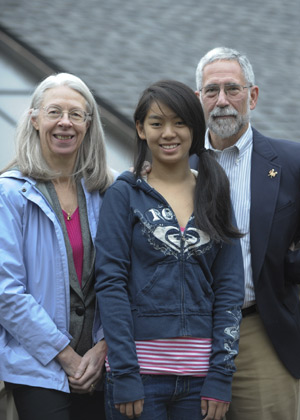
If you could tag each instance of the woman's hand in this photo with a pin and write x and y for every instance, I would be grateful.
(69, 360)
(89, 371)
(292, 247)
(146, 168)
(214, 410)
(131, 409)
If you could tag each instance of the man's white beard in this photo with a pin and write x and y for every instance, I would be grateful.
(227, 127)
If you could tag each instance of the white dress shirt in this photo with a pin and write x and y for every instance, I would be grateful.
(236, 161)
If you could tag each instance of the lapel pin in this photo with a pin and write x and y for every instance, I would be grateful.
(272, 173)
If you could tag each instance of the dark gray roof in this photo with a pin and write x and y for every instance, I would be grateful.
(119, 47)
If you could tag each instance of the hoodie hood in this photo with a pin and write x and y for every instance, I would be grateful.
(140, 182)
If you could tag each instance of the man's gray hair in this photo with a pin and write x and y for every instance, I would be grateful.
(223, 53)
(91, 161)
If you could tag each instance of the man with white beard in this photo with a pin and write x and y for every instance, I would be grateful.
(264, 175)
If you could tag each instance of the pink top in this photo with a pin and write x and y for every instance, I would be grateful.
(182, 356)
(74, 232)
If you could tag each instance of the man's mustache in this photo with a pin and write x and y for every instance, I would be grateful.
(223, 112)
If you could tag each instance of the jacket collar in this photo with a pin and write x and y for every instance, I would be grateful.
(265, 183)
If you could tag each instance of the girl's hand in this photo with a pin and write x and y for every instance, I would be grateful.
(131, 409)
(214, 410)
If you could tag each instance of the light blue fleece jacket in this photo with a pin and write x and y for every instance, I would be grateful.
(34, 284)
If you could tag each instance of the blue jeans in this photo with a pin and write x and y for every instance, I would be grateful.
(167, 397)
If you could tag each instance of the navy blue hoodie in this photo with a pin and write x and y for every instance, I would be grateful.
(154, 282)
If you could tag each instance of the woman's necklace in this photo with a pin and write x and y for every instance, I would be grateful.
(67, 196)
(69, 214)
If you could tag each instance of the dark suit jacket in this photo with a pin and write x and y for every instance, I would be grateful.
(274, 225)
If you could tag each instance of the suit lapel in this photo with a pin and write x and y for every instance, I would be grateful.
(265, 182)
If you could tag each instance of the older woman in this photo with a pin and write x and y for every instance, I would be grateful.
(51, 340)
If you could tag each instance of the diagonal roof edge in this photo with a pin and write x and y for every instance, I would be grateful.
(43, 67)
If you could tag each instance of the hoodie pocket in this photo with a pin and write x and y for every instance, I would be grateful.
(162, 293)
(174, 289)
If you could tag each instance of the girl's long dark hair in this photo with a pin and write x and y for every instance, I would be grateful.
(212, 205)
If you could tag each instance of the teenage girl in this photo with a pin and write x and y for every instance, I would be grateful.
(169, 270)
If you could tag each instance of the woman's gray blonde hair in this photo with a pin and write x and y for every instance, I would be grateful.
(91, 161)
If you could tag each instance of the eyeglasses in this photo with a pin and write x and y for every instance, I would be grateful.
(76, 116)
(232, 90)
